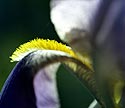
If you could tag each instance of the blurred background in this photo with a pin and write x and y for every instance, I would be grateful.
(24, 20)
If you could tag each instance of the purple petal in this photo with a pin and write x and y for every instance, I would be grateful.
(45, 87)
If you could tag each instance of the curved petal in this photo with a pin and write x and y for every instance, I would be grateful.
(18, 89)
(84, 73)
(32, 83)
(31, 77)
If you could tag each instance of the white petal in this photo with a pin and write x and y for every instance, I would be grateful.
(69, 14)
(45, 87)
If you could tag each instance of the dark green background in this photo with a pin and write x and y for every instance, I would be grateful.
(24, 20)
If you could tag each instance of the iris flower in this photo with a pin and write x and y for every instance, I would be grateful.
(91, 56)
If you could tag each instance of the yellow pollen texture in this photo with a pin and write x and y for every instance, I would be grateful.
(40, 44)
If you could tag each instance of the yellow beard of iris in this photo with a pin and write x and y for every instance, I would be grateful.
(42, 44)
